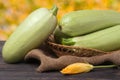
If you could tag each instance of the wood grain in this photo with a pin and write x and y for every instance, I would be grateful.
(26, 71)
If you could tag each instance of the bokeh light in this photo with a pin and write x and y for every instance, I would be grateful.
(13, 12)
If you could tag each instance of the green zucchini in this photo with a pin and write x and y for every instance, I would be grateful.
(82, 22)
(106, 40)
(30, 34)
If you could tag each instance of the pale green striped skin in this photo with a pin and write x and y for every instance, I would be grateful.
(86, 21)
(106, 40)
(30, 34)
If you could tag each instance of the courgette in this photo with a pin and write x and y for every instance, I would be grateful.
(106, 40)
(83, 22)
(30, 34)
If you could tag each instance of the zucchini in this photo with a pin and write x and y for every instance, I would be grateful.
(30, 34)
(106, 40)
(83, 22)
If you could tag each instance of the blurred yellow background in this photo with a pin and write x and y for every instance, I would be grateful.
(13, 12)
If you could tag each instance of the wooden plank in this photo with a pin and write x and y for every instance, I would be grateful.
(26, 71)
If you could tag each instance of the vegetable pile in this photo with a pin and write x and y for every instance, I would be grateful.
(97, 29)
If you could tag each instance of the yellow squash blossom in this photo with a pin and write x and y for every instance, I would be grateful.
(76, 68)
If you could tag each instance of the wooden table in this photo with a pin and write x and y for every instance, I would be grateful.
(26, 71)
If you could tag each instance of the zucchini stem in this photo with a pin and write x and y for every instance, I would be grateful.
(54, 10)
(68, 41)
